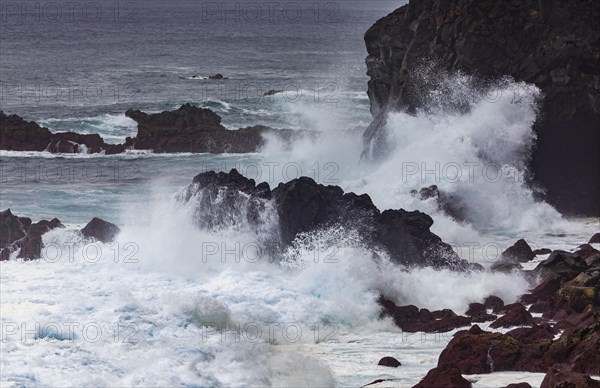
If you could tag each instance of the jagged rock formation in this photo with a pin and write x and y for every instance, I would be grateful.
(553, 44)
(302, 205)
(193, 129)
(19, 234)
(17, 134)
(187, 129)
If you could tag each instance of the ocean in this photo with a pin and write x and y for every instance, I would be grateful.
(156, 308)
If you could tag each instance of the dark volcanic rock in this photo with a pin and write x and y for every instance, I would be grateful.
(20, 234)
(100, 230)
(389, 361)
(558, 379)
(192, 129)
(410, 319)
(445, 203)
(476, 351)
(515, 316)
(302, 205)
(518, 385)
(478, 313)
(493, 302)
(16, 134)
(520, 252)
(444, 376)
(595, 239)
(561, 263)
(577, 350)
(542, 251)
(553, 44)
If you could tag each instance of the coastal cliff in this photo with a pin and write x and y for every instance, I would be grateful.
(553, 44)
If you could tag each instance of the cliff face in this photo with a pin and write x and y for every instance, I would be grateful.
(554, 44)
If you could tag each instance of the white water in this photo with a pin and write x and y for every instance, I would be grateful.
(175, 312)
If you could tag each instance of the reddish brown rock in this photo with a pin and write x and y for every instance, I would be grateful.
(493, 302)
(577, 351)
(476, 351)
(558, 379)
(447, 376)
(517, 315)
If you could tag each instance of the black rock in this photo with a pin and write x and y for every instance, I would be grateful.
(100, 230)
(562, 263)
(20, 234)
(302, 205)
(389, 361)
(520, 252)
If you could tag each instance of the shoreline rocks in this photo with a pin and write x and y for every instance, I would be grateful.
(552, 44)
(568, 298)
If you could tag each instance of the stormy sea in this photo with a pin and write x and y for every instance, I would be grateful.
(170, 263)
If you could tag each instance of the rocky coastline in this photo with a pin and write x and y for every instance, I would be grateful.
(552, 44)
(186, 129)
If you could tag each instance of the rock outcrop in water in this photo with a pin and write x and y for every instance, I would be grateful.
(302, 205)
(19, 234)
(563, 342)
(553, 44)
(17, 134)
(187, 129)
(193, 129)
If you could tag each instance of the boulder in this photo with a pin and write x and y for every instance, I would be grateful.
(444, 376)
(493, 302)
(517, 315)
(100, 230)
(390, 362)
(556, 378)
(577, 351)
(552, 44)
(478, 313)
(561, 263)
(595, 239)
(520, 252)
(518, 385)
